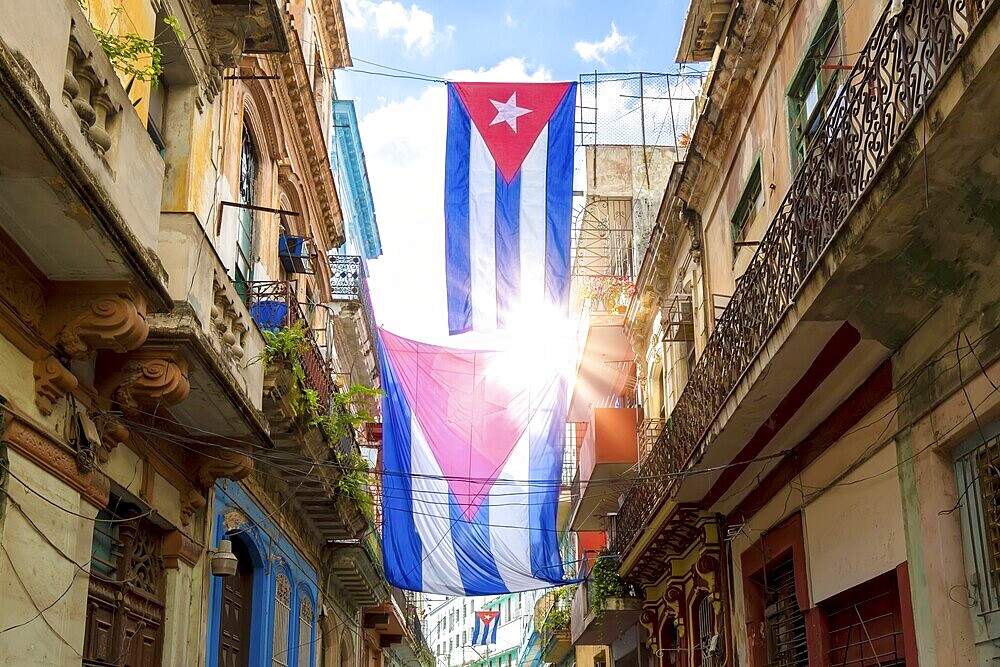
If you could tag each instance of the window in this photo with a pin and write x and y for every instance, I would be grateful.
(977, 468)
(305, 631)
(710, 648)
(125, 594)
(282, 616)
(784, 621)
(812, 92)
(750, 204)
(866, 625)
(156, 115)
(465, 637)
(249, 166)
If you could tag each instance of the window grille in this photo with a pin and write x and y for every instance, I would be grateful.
(977, 473)
(865, 625)
(706, 632)
(786, 625)
(305, 631)
(282, 615)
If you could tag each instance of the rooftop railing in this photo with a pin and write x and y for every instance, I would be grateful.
(909, 51)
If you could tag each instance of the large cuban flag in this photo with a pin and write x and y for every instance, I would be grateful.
(471, 469)
(508, 201)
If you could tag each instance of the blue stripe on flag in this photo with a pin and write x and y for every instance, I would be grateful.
(458, 265)
(471, 538)
(545, 462)
(559, 200)
(402, 549)
(508, 255)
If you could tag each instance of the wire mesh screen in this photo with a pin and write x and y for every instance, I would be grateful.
(637, 108)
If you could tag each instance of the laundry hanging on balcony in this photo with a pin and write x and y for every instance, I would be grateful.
(471, 468)
(508, 201)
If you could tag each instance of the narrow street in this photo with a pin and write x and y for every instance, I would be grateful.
(357, 333)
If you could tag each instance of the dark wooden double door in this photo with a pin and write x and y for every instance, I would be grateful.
(237, 606)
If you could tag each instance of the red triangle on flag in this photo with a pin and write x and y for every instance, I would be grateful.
(486, 617)
(510, 116)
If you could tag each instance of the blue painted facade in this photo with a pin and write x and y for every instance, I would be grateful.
(348, 160)
(272, 555)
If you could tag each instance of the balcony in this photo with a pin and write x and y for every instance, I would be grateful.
(851, 265)
(352, 309)
(599, 622)
(216, 331)
(552, 618)
(274, 306)
(396, 624)
(355, 568)
(608, 451)
(80, 179)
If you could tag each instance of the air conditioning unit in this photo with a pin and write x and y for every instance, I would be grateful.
(295, 253)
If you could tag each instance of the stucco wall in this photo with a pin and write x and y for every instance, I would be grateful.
(856, 528)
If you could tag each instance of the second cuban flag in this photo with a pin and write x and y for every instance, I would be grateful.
(508, 201)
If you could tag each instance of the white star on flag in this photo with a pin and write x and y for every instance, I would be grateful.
(508, 112)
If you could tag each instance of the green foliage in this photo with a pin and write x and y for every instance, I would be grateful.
(354, 481)
(132, 55)
(604, 582)
(558, 617)
(285, 345)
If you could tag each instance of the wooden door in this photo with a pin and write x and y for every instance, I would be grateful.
(237, 603)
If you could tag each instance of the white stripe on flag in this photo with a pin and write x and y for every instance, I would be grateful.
(532, 224)
(431, 518)
(510, 536)
(482, 233)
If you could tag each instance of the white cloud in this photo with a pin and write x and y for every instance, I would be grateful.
(509, 21)
(613, 43)
(388, 18)
(404, 150)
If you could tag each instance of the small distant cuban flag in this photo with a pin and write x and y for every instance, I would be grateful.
(485, 631)
(508, 201)
(472, 455)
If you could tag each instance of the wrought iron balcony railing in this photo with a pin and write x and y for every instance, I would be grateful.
(348, 283)
(274, 305)
(906, 56)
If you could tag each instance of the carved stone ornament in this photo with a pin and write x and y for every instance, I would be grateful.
(151, 378)
(234, 520)
(52, 382)
(112, 434)
(109, 322)
(19, 290)
(179, 547)
(220, 463)
(191, 502)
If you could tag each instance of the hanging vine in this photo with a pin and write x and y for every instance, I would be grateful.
(130, 54)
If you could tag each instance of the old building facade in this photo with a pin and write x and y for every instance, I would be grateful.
(181, 357)
(815, 340)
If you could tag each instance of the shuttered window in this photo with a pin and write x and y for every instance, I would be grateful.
(305, 631)
(786, 625)
(282, 615)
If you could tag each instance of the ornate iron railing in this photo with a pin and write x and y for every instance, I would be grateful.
(910, 49)
(348, 283)
(274, 305)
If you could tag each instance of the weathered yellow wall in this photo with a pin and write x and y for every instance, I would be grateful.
(127, 17)
(33, 574)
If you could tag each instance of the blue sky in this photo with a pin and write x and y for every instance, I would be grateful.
(402, 120)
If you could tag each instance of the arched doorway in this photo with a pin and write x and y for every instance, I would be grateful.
(235, 612)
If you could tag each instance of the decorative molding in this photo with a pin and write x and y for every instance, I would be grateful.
(152, 377)
(58, 460)
(223, 464)
(191, 502)
(112, 434)
(177, 548)
(19, 289)
(109, 322)
(234, 519)
(228, 323)
(52, 382)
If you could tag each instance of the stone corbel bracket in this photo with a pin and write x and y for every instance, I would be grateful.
(148, 378)
(78, 322)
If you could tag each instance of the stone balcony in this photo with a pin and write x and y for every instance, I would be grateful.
(80, 179)
(352, 310)
(593, 626)
(886, 229)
